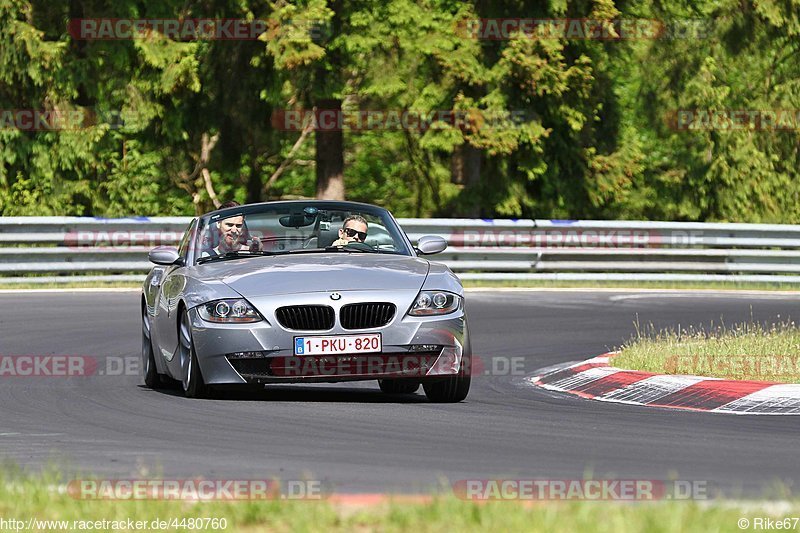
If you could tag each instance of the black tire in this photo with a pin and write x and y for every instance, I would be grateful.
(399, 386)
(151, 377)
(450, 389)
(192, 377)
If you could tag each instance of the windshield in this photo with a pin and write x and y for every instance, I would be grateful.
(274, 229)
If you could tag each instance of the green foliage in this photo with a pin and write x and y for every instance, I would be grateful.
(542, 127)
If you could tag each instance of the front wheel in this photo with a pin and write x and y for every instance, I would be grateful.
(451, 389)
(193, 384)
(151, 377)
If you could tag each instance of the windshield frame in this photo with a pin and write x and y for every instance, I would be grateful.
(252, 209)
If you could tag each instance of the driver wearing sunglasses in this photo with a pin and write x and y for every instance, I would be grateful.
(354, 229)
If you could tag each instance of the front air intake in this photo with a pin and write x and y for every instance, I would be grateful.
(306, 317)
(366, 315)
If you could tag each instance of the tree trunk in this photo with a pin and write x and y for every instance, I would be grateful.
(465, 170)
(330, 156)
(253, 185)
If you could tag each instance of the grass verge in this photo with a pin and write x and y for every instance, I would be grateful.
(748, 351)
(682, 285)
(24, 498)
(482, 284)
(72, 285)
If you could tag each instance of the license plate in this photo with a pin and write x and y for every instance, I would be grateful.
(338, 344)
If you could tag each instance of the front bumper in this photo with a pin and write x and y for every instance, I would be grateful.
(263, 352)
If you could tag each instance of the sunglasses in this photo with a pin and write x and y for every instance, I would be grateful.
(350, 232)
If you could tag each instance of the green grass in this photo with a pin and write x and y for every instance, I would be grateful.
(72, 285)
(748, 351)
(715, 285)
(23, 497)
(490, 284)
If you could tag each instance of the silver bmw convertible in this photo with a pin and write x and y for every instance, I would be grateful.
(304, 292)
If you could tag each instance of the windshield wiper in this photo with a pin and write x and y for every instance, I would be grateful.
(231, 255)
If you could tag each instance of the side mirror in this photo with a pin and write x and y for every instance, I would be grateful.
(165, 255)
(431, 244)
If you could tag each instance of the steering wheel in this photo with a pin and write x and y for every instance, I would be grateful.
(359, 246)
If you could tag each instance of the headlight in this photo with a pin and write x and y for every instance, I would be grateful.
(233, 310)
(435, 303)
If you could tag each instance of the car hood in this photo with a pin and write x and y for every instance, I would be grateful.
(298, 273)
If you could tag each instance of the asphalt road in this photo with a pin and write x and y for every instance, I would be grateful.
(358, 439)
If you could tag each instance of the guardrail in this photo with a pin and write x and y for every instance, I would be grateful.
(55, 249)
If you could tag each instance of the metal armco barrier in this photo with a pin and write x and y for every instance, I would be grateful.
(95, 249)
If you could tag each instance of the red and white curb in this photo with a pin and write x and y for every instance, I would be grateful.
(596, 380)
